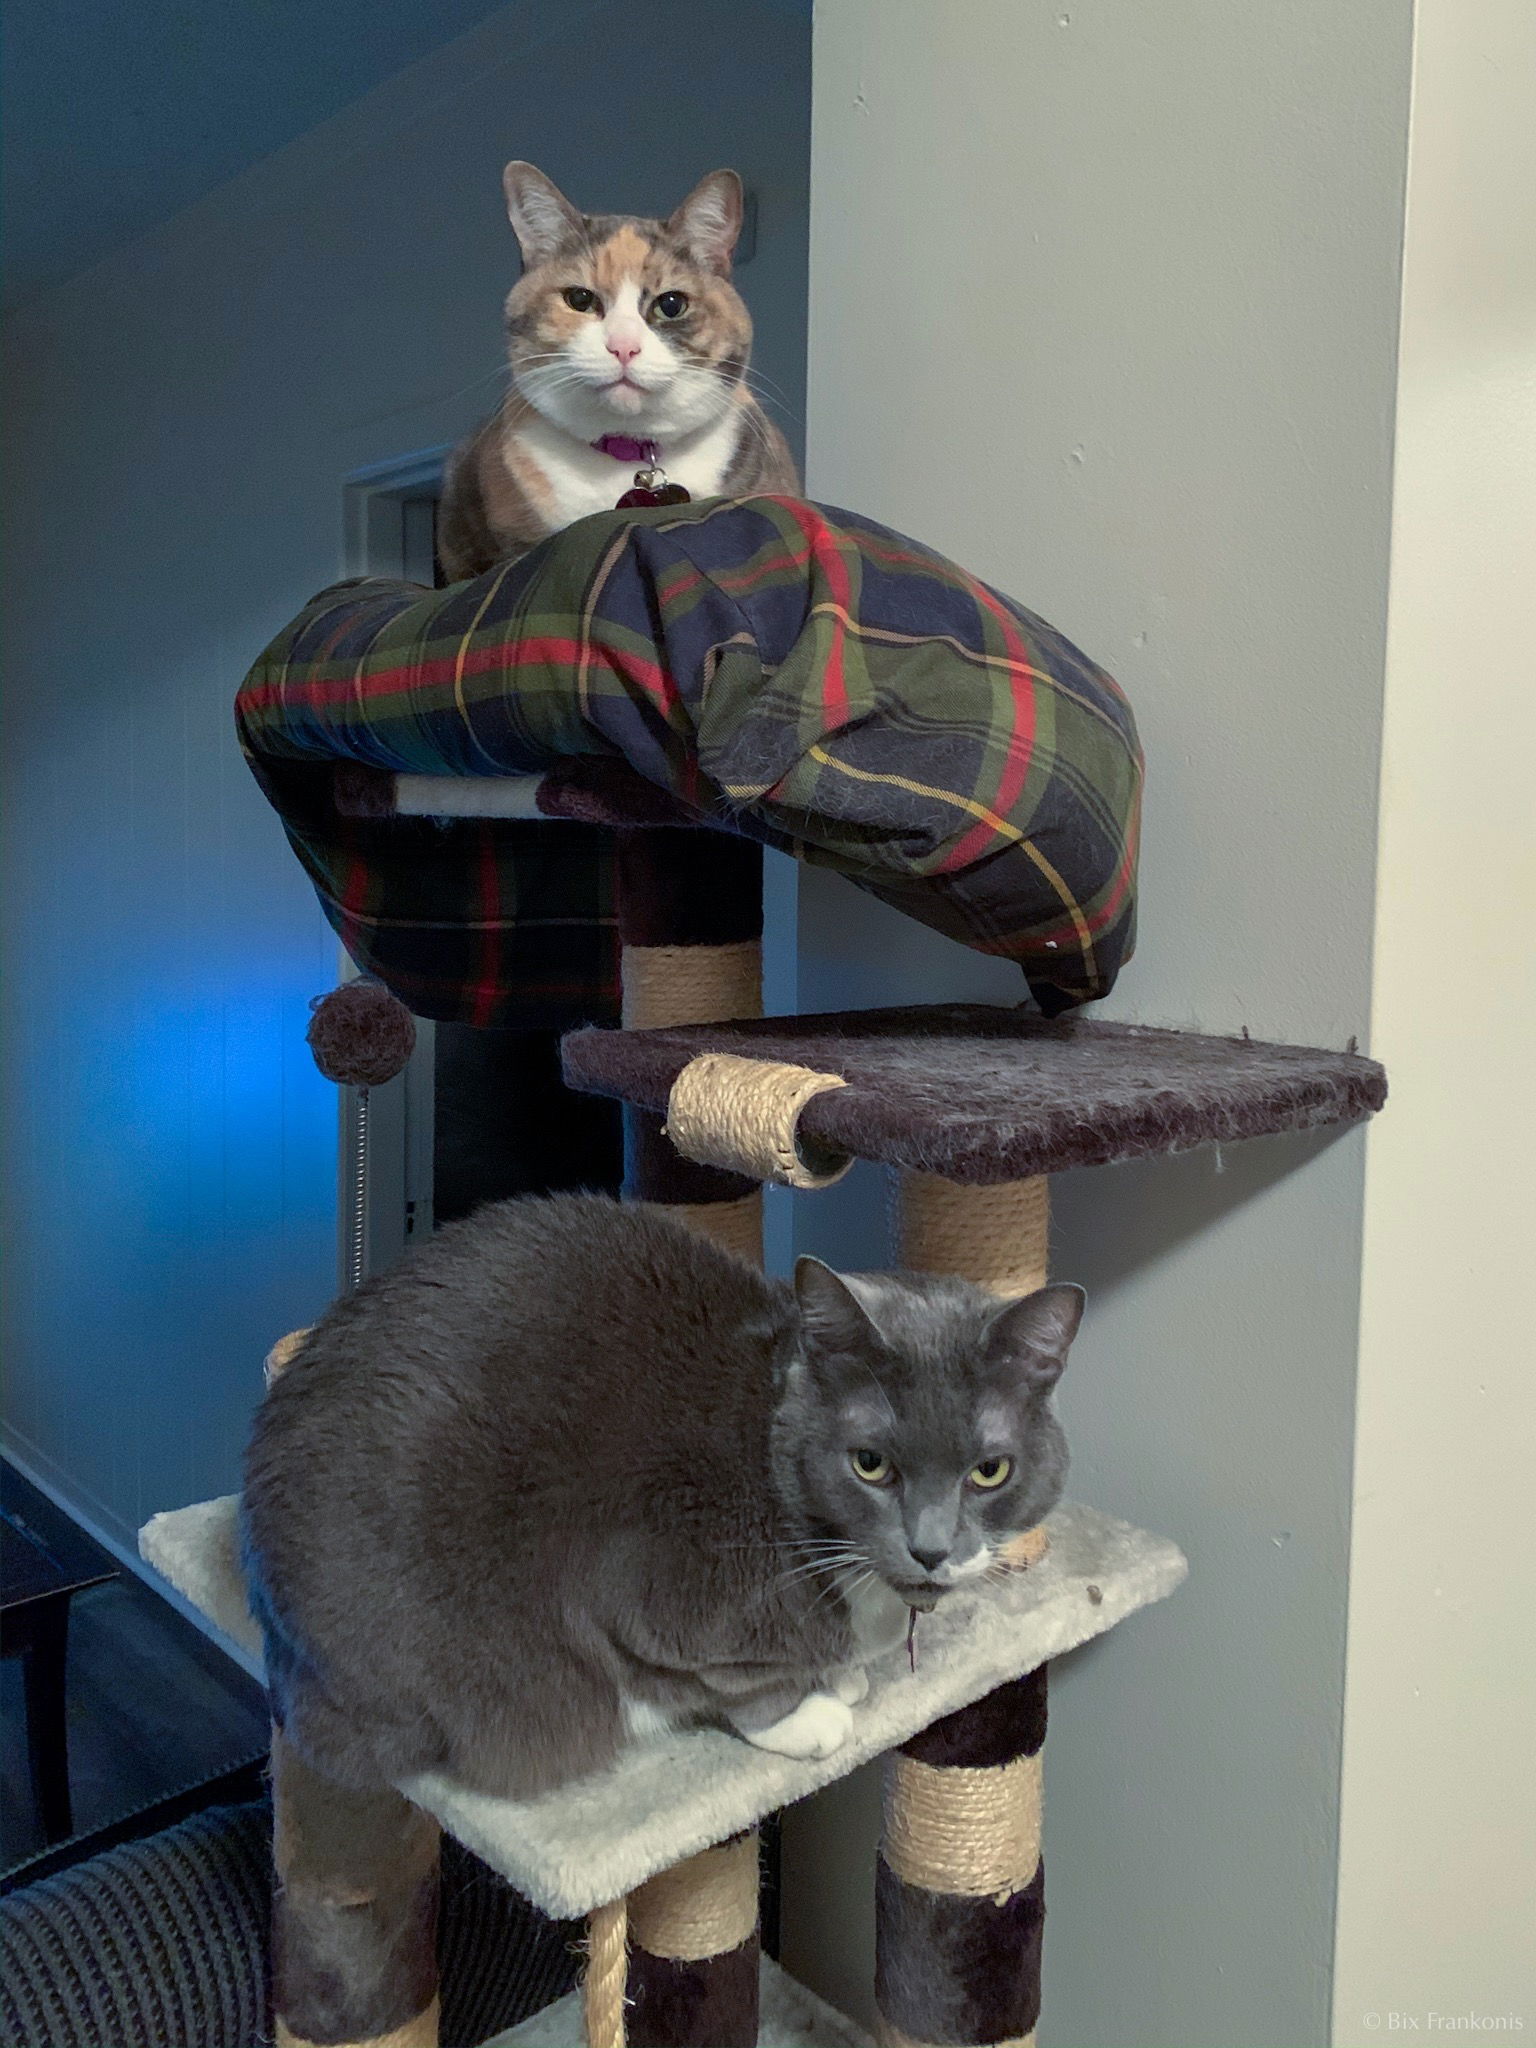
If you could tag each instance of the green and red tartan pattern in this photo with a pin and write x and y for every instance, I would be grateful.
(792, 672)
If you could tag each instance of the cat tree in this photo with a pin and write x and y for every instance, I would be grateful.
(974, 1107)
(701, 679)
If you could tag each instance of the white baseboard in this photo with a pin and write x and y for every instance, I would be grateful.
(35, 1467)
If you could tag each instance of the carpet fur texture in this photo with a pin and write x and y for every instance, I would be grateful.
(982, 1094)
(599, 1838)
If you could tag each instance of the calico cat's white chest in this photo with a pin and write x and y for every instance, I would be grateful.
(578, 481)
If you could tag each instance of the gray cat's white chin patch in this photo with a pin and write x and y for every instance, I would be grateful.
(975, 1567)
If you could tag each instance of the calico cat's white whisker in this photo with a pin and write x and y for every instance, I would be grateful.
(756, 382)
(503, 371)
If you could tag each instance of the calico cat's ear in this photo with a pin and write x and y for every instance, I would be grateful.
(1031, 1338)
(831, 1318)
(709, 220)
(542, 218)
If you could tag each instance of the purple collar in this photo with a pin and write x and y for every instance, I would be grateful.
(624, 448)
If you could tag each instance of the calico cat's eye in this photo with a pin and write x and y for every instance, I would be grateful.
(873, 1467)
(671, 305)
(990, 1472)
(579, 299)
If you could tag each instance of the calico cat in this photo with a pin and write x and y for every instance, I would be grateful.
(571, 1475)
(628, 346)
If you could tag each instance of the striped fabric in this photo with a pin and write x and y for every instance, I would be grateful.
(163, 1943)
(791, 672)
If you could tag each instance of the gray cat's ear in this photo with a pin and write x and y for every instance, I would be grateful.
(709, 220)
(1031, 1338)
(831, 1318)
(542, 218)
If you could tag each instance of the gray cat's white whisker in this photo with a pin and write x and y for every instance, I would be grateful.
(819, 1565)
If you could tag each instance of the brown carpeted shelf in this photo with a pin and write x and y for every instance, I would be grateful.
(981, 1094)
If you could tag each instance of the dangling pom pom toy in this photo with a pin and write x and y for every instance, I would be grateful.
(360, 1034)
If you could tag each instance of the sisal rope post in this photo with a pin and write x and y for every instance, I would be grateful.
(694, 1951)
(959, 1882)
(603, 1981)
(690, 906)
(354, 1913)
(744, 1115)
(997, 1236)
(960, 1886)
(676, 1964)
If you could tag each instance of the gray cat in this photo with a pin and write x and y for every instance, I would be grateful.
(570, 1475)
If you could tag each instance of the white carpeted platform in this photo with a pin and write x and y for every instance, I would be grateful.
(597, 1839)
(789, 2017)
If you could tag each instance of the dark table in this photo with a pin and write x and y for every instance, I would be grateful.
(38, 1579)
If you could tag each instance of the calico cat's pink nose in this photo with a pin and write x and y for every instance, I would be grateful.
(625, 347)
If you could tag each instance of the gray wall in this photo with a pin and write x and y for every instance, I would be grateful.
(179, 423)
(1104, 303)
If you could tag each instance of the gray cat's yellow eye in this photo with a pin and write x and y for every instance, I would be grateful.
(871, 1466)
(580, 300)
(990, 1472)
(671, 305)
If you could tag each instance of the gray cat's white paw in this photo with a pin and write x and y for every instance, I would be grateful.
(852, 1685)
(817, 1727)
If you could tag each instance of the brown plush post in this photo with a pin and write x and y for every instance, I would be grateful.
(690, 923)
(354, 1917)
(960, 1888)
(959, 1885)
(693, 1952)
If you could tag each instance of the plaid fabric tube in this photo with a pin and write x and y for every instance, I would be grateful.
(785, 670)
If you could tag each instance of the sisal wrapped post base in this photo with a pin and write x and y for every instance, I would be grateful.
(693, 1952)
(676, 1964)
(960, 1886)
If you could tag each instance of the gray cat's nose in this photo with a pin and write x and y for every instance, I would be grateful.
(930, 1560)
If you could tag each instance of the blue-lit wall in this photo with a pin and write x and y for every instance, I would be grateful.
(179, 422)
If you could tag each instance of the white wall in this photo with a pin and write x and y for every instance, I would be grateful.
(1437, 1880)
(179, 423)
(1104, 302)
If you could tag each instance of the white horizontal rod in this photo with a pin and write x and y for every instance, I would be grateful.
(467, 796)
